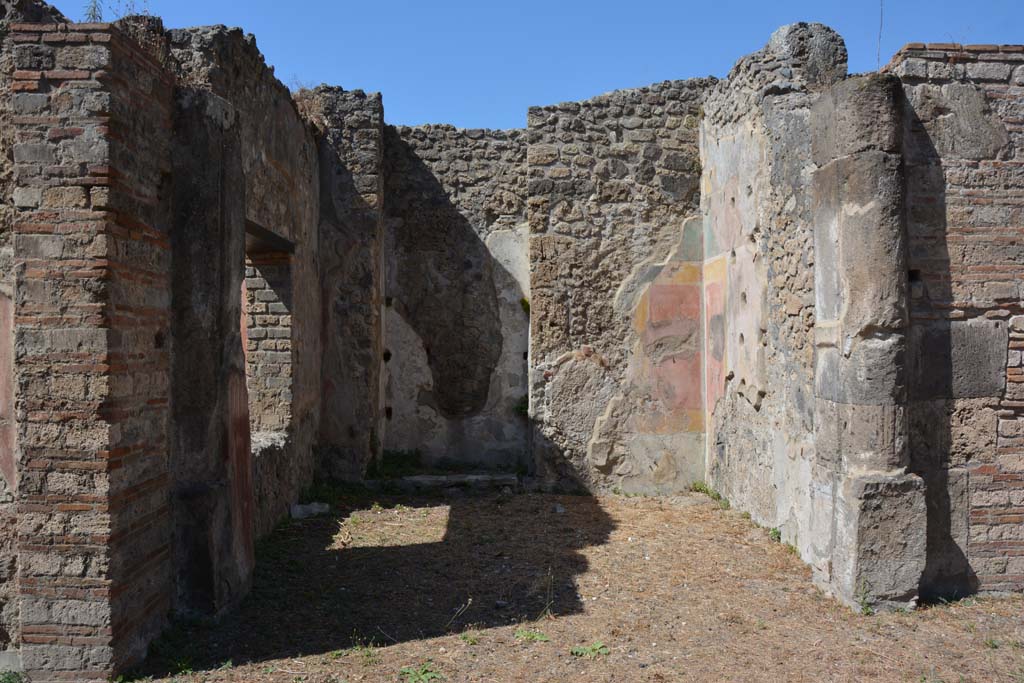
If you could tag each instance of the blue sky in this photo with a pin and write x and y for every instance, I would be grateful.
(482, 63)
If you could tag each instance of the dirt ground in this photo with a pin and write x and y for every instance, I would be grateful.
(502, 588)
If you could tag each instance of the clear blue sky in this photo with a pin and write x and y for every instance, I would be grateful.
(482, 63)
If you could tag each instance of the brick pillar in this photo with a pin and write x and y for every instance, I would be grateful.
(879, 541)
(91, 318)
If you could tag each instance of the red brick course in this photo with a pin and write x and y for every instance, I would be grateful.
(92, 373)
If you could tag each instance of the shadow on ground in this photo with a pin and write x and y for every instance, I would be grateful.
(499, 560)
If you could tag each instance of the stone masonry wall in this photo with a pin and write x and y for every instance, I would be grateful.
(280, 175)
(13, 12)
(92, 254)
(964, 154)
(456, 327)
(351, 144)
(211, 463)
(616, 341)
(758, 277)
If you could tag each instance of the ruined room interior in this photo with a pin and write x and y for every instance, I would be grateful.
(795, 287)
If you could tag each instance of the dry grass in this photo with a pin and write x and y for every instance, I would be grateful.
(677, 590)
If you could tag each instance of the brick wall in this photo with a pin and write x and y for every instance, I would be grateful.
(268, 340)
(965, 197)
(9, 622)
(91, 324)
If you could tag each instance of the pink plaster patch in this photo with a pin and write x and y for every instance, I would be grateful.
(670, 303)
(678, 381)
(714, 342)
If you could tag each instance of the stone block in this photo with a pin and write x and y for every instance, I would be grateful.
(858, 114)
(871, 373)
(27, 197)
(542, 155)
(34, 153)
(881, 547)
(958, 359)
(27, 104)
(912, 68)
(958, 121)
(989, 71)
(64, 197)
(857, 204)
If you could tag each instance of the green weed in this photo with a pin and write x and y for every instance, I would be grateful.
(531, 635)
(592, 651)
(702, 487)
(422, 674)
(864, 600)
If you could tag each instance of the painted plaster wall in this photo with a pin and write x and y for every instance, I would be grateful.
(616, 334)
(759, 286)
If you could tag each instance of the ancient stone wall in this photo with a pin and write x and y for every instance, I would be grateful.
(456, 295)
(351, 145)
(801, 286)
(964, 156)
(280, 195)
(92, 355)
(11, 12)
(758, 275)
(804, 248)
(864, 229)
(210, 445)
(616, 350)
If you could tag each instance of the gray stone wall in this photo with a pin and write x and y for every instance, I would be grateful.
(351, 149)
(280, 189)
(759, 283)
(456, 295)
(615, 388)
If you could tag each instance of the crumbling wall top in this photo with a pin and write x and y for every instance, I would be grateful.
(798, 58)
(29, 12)
(653, 94)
